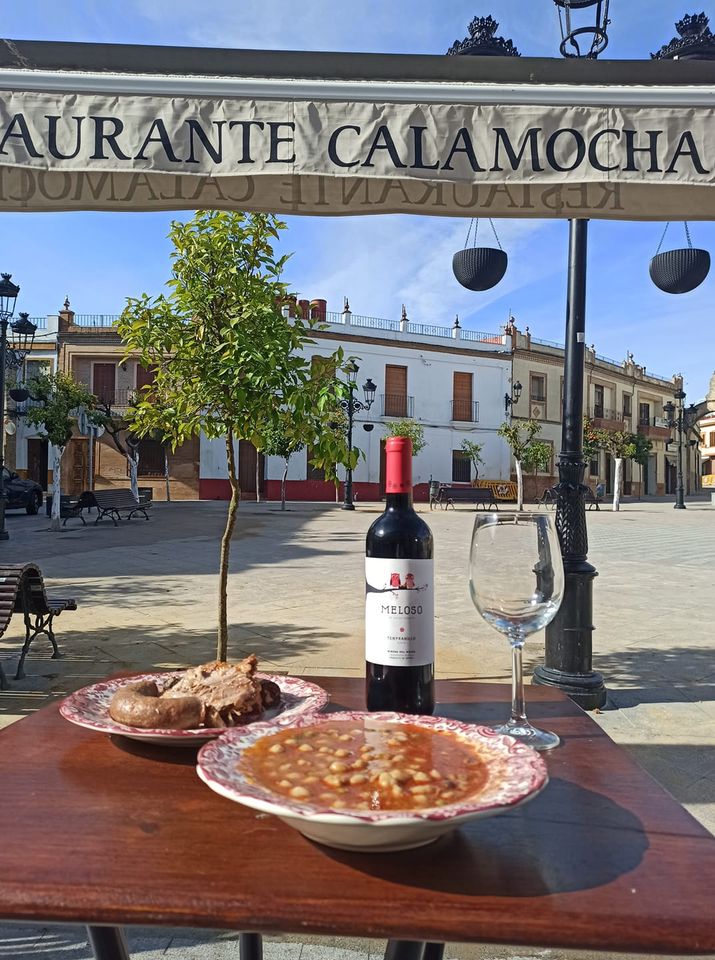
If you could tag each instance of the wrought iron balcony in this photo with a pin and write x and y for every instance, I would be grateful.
(607, 419)
(397, 405)
(465, 411)
(654, 428)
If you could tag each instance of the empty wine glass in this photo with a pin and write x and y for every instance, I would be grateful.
(516, 580)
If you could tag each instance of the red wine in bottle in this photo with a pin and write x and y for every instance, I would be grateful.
(399, 598)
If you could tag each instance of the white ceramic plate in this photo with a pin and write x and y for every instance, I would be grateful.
(89, 707)
(515, 774)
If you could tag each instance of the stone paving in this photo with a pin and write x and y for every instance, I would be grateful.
(147, 599)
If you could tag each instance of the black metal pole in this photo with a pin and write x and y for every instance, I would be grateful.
(4, 535)
(567, 663)
(679, 493)
(348, 502)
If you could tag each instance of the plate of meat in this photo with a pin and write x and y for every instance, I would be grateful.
(185, 707)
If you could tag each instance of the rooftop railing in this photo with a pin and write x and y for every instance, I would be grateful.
(96, 319)
(421, 329)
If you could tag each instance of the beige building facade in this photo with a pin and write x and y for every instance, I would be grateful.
(617, 396)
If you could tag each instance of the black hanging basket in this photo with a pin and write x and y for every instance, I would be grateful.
(679, 271)
(479, 268)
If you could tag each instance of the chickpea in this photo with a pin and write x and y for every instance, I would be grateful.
(337, 766)
(358, 778)
(300, 793)
(419, 791)
(305, 748)
(276, 748)
(344, 737)
(342, 753)
(420, 777)
(285, 784)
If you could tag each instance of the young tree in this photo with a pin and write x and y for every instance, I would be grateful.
(118, 429)
(620, 444)
(60, 397)
(279, 442)
(474, 452)
(643, 447)
(407, 428)
(520, 437)
(538, 457)
(225, 358)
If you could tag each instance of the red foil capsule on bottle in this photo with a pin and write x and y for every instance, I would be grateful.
(398, 465)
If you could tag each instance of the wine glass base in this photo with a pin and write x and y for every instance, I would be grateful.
(531, 736)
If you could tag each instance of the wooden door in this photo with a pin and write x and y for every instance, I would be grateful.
(462, 397)
(247, 457)
(37, 461)
(74, 466)
(145, 377)
(395, 391)
(104, 381)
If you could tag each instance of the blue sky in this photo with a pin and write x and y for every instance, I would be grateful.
(378, 262)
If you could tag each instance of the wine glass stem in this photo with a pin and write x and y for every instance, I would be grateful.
(518, 708)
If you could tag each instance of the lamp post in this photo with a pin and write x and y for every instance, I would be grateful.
(683, 421)
(569, 637)
(352, 406)
(511, 398)
(8, 297)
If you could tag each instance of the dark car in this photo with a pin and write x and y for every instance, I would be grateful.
(21, 493)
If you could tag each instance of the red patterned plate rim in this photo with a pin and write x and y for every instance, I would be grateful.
(516, 772)
(89, 707)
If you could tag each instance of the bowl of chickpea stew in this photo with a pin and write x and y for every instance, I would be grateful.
(372, 781)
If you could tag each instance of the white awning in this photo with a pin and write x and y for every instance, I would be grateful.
(331, 146)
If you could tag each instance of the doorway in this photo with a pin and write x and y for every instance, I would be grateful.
(651, 476)
(37, 461)
(248, 457)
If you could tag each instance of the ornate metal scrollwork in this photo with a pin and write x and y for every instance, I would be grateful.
(481, 41)
(695, 41)
(571, 511)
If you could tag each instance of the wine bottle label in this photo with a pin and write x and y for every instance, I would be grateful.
(399, 612)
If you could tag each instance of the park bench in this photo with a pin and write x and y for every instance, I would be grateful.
(476, 495)
(71, 507)
(549, 497)
(114, 503)
(22, 590)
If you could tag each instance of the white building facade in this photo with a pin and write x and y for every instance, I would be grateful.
(449, 380)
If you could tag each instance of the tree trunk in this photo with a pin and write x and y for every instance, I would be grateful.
(617, 483)
(222, 638)
(519, 486)
(166, 473)
(258, 477)
(283, 486)
(56, 488)
(133, 460)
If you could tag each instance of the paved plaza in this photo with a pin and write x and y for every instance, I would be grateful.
(146, 595)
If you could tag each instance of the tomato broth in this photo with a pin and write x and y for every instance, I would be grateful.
(369, 765)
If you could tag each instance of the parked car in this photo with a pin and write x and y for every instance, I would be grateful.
(21, 493)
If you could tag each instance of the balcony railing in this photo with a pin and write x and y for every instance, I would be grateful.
(115, 398)
(654, 428)
(606, 414)
(397, 405)
(95, 319)
(466, 411)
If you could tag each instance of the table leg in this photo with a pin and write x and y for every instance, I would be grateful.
(108, 943)
(250, 946)
(433, 951)
(404, 950)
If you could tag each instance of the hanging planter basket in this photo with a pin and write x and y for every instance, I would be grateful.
(679, 271)
(479, 268)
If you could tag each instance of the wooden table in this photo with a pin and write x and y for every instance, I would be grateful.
(113, 833)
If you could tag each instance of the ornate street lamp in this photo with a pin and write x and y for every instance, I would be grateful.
(569, 637)
(587, 41)
(513, 397)
(352, 406)
(8, 297)
(682, 421)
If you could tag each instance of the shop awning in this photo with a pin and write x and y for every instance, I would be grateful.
(106, 127)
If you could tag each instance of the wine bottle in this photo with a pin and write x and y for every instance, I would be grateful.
(399, 598)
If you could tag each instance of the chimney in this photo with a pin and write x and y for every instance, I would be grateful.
(318, 310)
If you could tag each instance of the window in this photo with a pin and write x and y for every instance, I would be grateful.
(598, 401)
(35, 368)
(395, 404)
(593, 467)
(151, 458)
(103, 381)
(644, 414)
(461, 467)
(537, 387)
(462, 397)
(712, 439)
(145, 377)
(311, 472)
(627, 410)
